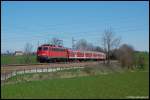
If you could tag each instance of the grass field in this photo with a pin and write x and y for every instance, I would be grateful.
(10, 59)
(114, 85)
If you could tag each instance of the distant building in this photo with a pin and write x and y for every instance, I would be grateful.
(18, 53)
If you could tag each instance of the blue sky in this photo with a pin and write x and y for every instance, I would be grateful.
(33, 21)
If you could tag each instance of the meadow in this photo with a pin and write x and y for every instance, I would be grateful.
(11, 59)
(113, 85)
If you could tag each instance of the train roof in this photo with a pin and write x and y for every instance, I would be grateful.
(69, 49)
(54, 46)
(85, 51)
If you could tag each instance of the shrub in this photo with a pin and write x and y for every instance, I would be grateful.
(89, 70)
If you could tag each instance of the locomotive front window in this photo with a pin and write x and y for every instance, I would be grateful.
(45, 48)
(40, 48)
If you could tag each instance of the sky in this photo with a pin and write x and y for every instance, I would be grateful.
(32, 21)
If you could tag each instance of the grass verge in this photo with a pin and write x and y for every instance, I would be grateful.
(114, 85)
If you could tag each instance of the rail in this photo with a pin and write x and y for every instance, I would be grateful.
(5, 65)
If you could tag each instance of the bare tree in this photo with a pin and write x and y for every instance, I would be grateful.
(90, 47)
(81, 45)
(28, 52)
(7, 52)
(97, 48)
(109, 42)
(126, 56)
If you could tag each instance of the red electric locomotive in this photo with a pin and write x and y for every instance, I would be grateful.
(52, 53)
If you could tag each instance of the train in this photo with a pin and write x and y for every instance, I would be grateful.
(54, 53)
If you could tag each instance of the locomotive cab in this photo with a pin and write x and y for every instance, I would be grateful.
(51, 53)
(42, 53)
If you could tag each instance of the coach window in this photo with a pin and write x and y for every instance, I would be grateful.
(58, 49)
(45, 48)
(62, 50)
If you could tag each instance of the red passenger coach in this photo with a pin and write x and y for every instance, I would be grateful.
(85, 55)
(72, 54)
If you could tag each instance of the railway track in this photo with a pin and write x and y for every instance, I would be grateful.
(42, 66)
(15, 67)
(6, 65)
(8, 68)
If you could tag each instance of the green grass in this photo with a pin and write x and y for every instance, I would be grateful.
(114, 85)
(10, 59)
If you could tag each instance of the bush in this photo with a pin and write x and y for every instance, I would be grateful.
(141, 62)
(89, 70)
(126, 56)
